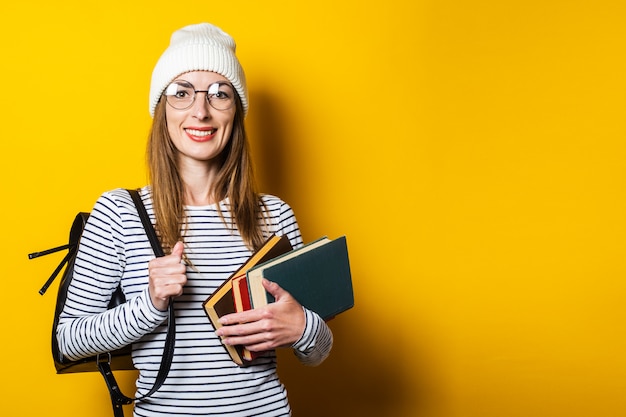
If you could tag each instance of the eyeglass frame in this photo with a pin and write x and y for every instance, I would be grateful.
(208, 93)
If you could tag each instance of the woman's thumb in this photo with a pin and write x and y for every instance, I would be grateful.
(177, 250)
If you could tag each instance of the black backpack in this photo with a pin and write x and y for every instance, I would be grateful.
(119, 359)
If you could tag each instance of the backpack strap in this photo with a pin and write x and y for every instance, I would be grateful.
(118, 399)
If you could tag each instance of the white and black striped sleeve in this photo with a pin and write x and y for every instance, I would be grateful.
(86, 327)
(316, 341)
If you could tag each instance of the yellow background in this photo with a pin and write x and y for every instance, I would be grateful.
(472, 151)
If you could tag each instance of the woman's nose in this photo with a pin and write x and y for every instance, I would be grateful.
(201, 106)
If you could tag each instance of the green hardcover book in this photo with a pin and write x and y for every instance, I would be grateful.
(317, 275)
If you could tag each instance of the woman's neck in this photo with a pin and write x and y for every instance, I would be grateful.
(198, 182)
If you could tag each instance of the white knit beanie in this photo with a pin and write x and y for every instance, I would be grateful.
(201, 47)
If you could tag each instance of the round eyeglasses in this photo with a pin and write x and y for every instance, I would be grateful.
(182, 94)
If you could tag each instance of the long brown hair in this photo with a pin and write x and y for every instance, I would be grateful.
(235, 181)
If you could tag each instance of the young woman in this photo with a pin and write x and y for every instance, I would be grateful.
(203, 202)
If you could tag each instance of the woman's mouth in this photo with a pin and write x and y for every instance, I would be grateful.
(200, 135)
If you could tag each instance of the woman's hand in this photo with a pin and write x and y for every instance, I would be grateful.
(279, 324)
(167, 277)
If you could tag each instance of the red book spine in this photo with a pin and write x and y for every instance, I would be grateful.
(241, 297)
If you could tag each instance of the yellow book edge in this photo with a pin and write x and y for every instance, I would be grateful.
(227, 286)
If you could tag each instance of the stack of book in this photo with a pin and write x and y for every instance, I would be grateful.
(317, 275)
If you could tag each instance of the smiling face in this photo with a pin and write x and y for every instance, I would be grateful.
(200, 133)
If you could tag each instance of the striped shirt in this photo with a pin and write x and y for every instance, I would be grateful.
(203, 380)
